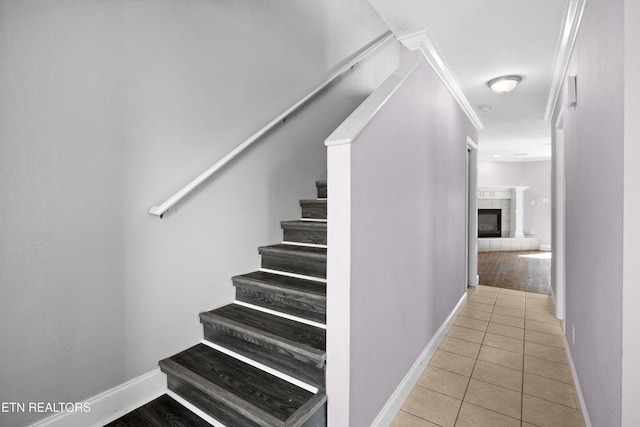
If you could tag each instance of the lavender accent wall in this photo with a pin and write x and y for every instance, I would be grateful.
(595, 210)
(406, 219)
(537, 176)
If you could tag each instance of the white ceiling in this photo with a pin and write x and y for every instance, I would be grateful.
(480, 40)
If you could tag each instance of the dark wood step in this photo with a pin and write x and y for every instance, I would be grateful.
(308, 261)
(297, 297)
(322, 189)
(314, 208)
(305, 232)
(163, 411)
(291, 347)
(238, 394)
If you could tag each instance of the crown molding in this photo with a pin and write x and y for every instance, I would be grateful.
(422, 41)
(570, 27)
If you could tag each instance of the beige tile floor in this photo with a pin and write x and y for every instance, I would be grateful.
(502, 363)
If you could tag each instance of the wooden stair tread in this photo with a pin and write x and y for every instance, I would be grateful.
(294, 250)
(283, 283)
(318, 202)
(314, 232)
(255, 393)
(162, 411)
(302, 260)
(304, 225)
(302, 298)
(306, 338)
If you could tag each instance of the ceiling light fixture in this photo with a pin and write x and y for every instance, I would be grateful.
(504, 84)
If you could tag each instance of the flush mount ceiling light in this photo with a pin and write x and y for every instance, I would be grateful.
(504, 84)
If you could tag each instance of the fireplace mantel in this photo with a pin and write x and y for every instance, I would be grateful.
(516, 195)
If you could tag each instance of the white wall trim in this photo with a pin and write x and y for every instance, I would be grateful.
(471, 196)
(545, 247)
(114, 403)
(583, 404)
(390, 409)
(423, 42)
(558, 219)
(471, 144)
(339, 293)
(360, 118)
(570, 27)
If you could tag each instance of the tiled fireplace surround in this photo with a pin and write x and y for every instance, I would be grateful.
(510, 201)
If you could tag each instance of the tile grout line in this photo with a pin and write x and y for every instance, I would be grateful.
(524, 340)
(524, 332)
(484, 334)
(504, 367)
(439, 349)
(545, 361)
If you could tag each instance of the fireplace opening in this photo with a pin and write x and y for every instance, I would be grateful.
(489, 223)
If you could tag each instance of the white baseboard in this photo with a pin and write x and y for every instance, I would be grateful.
(393, 405)
(112, 404)
(583, 404)
(545, 247)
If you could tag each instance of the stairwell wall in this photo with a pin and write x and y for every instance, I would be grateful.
(109, 107)
(403, 213)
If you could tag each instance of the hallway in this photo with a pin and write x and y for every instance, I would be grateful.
(502, 363)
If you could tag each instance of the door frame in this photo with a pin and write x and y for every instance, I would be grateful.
(558, 168)
(471, 196)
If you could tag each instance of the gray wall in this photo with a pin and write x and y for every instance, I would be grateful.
(407, 204)
(631, 277)
(631, 272)
(537, 176)
(108, 108)
(595, 203)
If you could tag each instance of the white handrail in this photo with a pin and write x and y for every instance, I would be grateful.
(161, 209)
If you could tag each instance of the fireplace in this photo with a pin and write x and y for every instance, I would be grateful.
(489, 223)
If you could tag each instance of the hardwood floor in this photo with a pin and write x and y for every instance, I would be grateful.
(528, 271)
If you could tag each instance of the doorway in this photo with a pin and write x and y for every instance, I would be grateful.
(517, 254)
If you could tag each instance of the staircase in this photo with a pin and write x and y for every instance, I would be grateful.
(262, 362)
